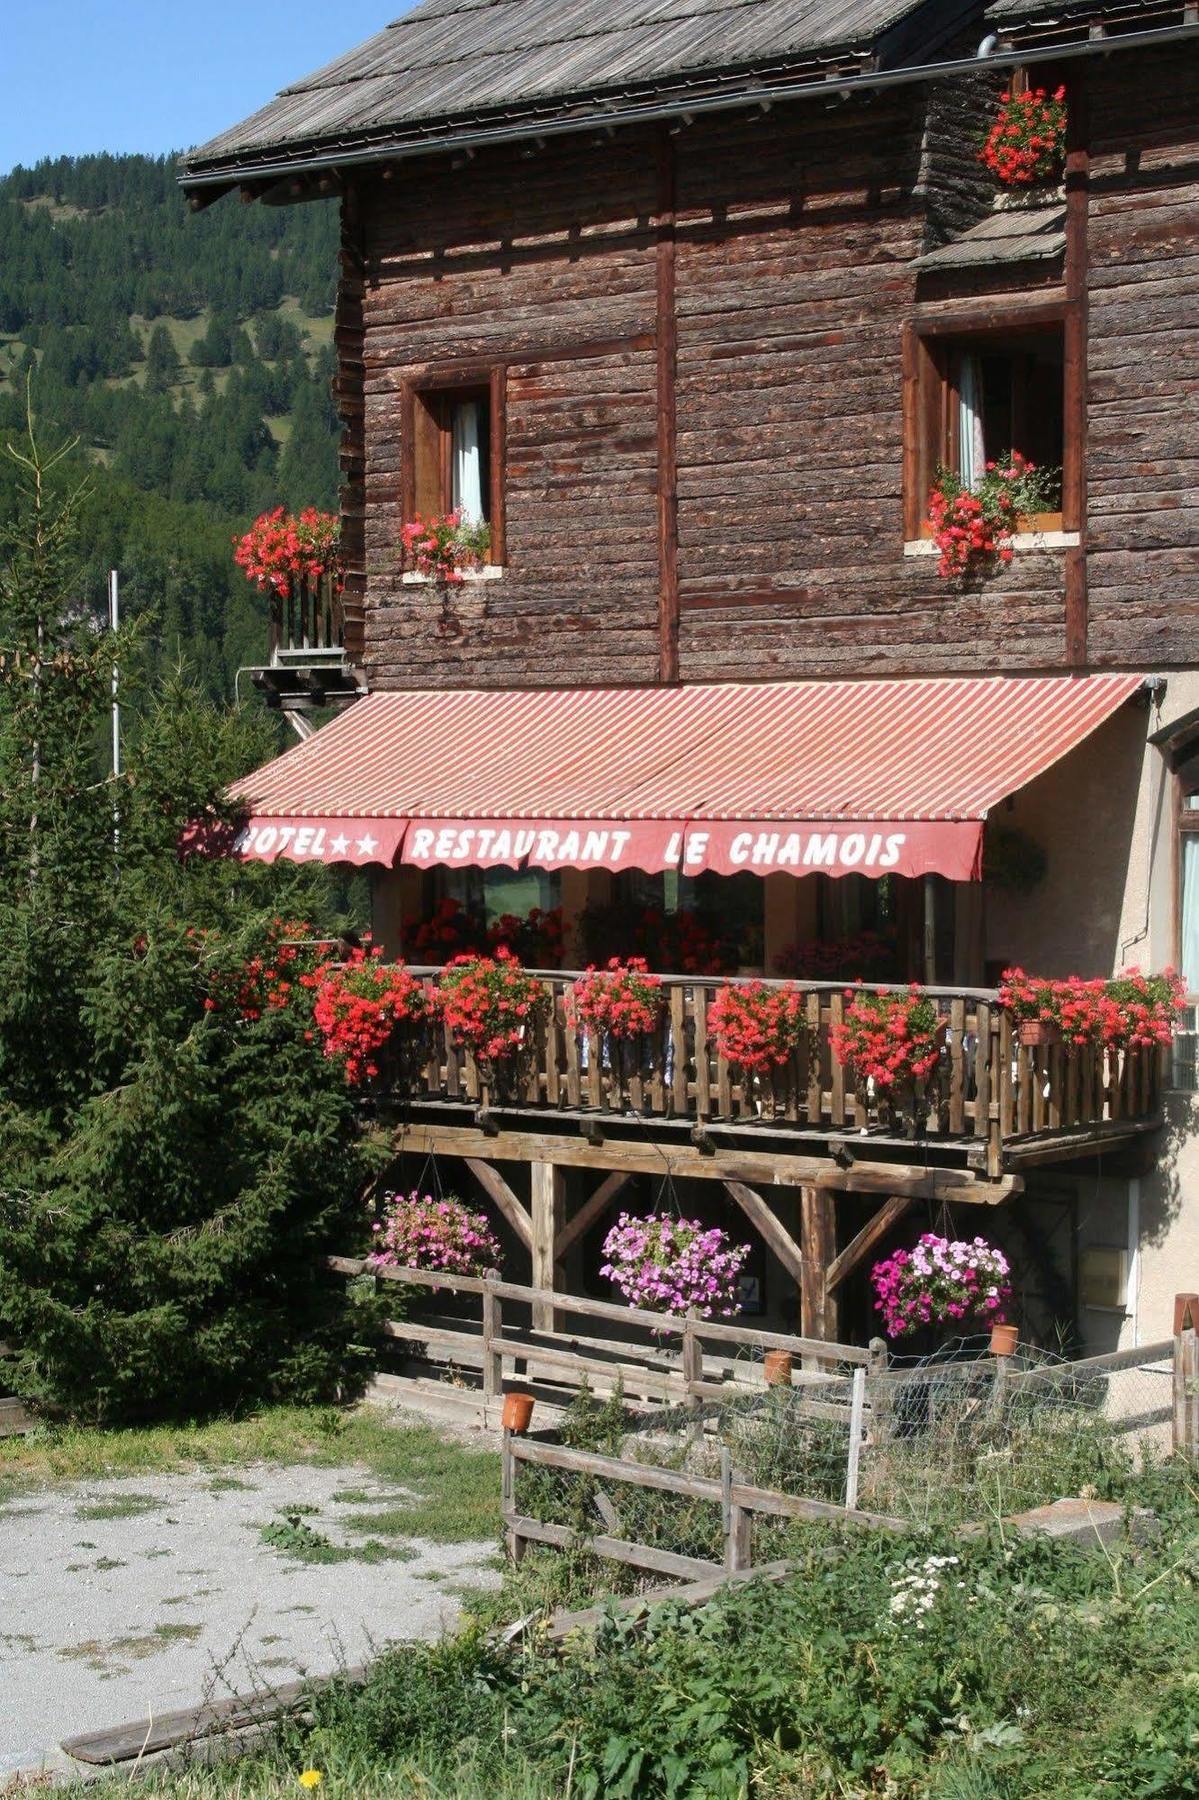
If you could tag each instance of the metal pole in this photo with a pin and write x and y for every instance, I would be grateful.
(114, 619)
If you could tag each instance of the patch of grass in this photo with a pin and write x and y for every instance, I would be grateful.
(121, 1506)
(458, 1486)
(292, 1534)
(136, 1647)
(229, 1484)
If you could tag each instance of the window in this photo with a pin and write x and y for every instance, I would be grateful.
(972, 396)
(453, 452)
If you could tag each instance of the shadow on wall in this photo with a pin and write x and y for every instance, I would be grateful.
(1082, 812)
(1175, 1173)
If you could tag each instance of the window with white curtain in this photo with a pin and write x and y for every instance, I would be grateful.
(467, 418)
(451, 460)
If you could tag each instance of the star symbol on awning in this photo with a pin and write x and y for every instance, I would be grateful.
(339, 846)
(367, 845)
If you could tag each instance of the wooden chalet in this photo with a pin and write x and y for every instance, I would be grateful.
(690, 303)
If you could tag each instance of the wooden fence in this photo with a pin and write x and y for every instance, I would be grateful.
(739, 1503)
(989, 1088)
(684, 1362)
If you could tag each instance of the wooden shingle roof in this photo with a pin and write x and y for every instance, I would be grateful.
(449, 65)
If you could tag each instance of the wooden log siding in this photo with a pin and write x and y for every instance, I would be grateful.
(550, 265)
(1143, 363)
(989, 1091)
(786, 279)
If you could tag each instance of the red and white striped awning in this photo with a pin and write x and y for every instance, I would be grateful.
(840, 777)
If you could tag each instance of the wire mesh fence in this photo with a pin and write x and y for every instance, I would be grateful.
(964, 1436)
(958, 1438)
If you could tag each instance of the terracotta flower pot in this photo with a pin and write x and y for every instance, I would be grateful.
(1036, 1033)
(1005, 1340)
(777, 1366)
(518, 1411)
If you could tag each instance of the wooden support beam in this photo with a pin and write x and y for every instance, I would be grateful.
(818, 1237)
(497, 1189)
(768, 1227)
(766, 1168)
(549, 1205)
(860, 1247)
(591, 1210)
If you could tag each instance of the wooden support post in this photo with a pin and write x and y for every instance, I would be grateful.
(515, 1543)
(1186, 1375)
(548, 1194)
(930, 930)
(493, 1335)
(818, 1239)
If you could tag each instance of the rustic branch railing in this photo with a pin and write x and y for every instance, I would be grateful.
(308, 617)
(988, 1087)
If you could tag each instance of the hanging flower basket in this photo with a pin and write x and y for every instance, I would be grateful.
(1129, 1012)
(419, 1231)
(282, 548)
(492, 1007)
(621, 1001)
(891, 1042)
(1026, 145)
(756, 1027)
(945, 1281)
(674, 1266)
(359, 1007)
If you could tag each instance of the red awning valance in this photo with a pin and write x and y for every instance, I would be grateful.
(865, 777)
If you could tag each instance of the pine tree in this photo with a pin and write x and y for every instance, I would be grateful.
(175, 1161)
(163, 364)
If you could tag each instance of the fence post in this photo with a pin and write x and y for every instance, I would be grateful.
(515, 1543)
(693, 1360)
(881, 1397)
(1186, 1374)
(735, 1521)
(857, 1413)
(493, 1334)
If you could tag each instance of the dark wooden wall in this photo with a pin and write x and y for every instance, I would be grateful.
(1143, 413)
(758, 275)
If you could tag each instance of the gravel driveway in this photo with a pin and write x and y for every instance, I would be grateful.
(119, 1598)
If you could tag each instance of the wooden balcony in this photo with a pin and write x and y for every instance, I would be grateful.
(994, 1105)
(307, 665)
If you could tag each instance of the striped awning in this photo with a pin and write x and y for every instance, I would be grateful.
(840, 777)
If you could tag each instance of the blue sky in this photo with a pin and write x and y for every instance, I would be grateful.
(158, 75)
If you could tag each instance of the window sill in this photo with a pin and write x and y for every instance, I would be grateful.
(488, 572)
(1022, 540)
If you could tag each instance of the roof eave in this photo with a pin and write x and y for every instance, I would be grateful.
(814, 79)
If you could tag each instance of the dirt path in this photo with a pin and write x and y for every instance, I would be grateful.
(119, 1598)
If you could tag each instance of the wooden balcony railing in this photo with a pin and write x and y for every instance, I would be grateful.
(989, 1093)
(308, 618)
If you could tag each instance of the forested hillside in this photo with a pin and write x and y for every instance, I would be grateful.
(191, 354)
